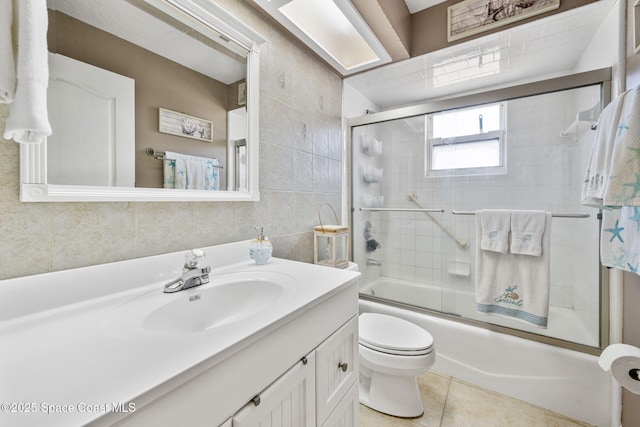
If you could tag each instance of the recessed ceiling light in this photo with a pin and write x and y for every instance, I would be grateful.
(332, 28)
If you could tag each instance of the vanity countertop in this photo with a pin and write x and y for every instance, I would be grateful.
(59, 351)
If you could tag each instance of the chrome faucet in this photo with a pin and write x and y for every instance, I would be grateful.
(193, 274)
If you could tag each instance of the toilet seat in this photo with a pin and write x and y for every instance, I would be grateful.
(392, 335)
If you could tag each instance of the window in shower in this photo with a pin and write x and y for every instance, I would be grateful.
(466, 141)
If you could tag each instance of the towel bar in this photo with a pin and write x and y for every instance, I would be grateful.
(159, 155)
(554, 215)
(401, 210)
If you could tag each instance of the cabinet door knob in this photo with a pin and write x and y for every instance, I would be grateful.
(256, 400)
(343, 366)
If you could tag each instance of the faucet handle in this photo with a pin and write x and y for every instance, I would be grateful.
(194, 258)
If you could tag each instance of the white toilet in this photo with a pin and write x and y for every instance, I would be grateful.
(393, 352)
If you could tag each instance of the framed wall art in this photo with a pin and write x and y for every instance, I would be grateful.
(471, 17)
(175, 123)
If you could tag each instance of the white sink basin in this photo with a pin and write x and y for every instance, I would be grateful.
(226, 300)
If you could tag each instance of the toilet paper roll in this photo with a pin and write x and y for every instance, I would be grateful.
(623, 362)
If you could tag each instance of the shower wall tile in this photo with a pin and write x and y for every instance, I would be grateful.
(300, 98)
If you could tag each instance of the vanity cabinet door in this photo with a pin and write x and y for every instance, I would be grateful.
(347, 412)
(289, 402)
(336, 368)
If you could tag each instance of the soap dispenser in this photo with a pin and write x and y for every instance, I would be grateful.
(261, 248)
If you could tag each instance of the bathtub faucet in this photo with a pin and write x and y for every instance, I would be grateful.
(373, 262)
(193, 274)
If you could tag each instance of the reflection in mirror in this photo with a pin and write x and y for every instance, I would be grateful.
(148, 94)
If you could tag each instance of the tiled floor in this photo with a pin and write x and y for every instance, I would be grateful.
(449, 402)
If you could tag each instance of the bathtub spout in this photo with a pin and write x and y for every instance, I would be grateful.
(373, 262)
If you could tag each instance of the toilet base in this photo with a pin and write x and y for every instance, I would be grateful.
(390, 394)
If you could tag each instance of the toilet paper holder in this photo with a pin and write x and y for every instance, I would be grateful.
(622, 361)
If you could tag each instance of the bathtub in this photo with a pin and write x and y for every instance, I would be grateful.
(564, 323)
(561, 380)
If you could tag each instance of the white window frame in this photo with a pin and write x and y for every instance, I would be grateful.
(500, 135)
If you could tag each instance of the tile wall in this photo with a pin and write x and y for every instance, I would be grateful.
(300, 168)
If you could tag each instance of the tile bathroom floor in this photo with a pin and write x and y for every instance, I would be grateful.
(449, 402)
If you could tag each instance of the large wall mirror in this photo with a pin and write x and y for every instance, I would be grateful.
(148, 100)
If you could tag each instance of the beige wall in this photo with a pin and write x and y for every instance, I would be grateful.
(159, 82)
(300, 168)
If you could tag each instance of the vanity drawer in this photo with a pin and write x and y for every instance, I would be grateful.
(336, 368)
(347, 414)
(288, 402)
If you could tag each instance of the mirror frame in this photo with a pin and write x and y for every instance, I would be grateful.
(202, 15)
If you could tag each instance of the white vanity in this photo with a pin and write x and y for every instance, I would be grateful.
(104, 345)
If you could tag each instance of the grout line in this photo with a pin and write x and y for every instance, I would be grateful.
(446, 399)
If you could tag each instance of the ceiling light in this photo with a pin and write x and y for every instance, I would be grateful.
(333, 29)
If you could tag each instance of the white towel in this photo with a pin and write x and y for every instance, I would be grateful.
(195, 174)
(527, 229)
(212, 175)
(495, 226)
(620, 240)
(613, 181)
(7, 62)
(28, 121)
(514, 285)
(601, 153)
(613, 172)
(623, 186)
(183, 171)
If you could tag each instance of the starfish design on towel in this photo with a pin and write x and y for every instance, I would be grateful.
(636, 217)
(623, 126)
(617, 261)
(632, 268)
(615, 232)
(635, 187)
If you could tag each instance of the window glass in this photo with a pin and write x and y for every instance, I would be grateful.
(466, 141)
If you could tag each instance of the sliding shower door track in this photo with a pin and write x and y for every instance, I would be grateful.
(488, 326)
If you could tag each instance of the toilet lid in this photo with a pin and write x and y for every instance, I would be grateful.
(393, 335)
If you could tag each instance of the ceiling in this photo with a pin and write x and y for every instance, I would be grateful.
(418, 5)
(546, 47)
(128, 20)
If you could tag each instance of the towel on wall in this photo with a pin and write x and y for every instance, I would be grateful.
(7, 63)
(495, 225)
(620, 240)
(599, 162)
(613, 172)
(28, 120)
(514, 285)
(190, 172)
(613, 181)
(527, 229)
